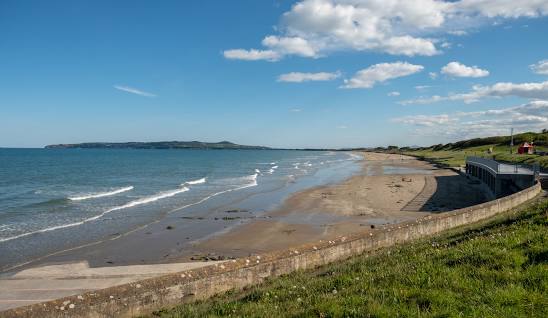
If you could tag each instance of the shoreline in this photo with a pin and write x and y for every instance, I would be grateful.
(389, 189)
(162, 239)
(383, 192)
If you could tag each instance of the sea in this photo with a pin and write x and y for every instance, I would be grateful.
(55, 199)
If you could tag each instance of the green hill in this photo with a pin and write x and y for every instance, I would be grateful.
(498, 148)
(156, 145)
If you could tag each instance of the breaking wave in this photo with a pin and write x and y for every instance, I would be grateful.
(101, 194)
(197, 181)
(144, 200)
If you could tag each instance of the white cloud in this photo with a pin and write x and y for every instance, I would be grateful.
(290, 45)
(532, 116)
(422, 87)
(252, 55)
(446, 45)
(541, 67)
(501, 8)
(342, 127)
(425, 120)
(314, 28)
(133, 91)
(378, 73)
(460, 70)
(295, 110)
(394, 93)
(457, 32)
(524, 90)
(433, 75)
(297, 77)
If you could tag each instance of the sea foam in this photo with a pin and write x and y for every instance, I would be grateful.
(197, 181)
(101, 194)
(252, 182)
(144, 200)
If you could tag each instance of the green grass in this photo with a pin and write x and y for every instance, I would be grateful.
(457, 157)
(495, 269)
(454, 154)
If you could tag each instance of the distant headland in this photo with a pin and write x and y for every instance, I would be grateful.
(156, 145)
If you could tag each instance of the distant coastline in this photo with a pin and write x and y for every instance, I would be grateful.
(181, 145)
(156, 145)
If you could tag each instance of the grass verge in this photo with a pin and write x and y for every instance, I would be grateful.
(457, 157)
(498, 268)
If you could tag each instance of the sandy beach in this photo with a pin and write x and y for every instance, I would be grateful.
(390, 189)
(385, 189)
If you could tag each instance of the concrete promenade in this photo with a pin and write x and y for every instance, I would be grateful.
(51, 282)
(501, 179)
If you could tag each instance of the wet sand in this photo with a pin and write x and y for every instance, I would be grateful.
(390, 189)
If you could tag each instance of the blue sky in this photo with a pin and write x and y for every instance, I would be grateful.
(310, 73)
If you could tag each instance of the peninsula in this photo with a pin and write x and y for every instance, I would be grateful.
(156, 145)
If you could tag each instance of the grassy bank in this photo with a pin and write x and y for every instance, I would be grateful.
(495, 269)
(457, 157)
(454, 154)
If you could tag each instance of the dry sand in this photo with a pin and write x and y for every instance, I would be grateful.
(390, 189)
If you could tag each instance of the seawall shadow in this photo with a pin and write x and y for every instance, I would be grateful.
(446, 193)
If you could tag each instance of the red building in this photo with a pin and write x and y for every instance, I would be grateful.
(526, 148)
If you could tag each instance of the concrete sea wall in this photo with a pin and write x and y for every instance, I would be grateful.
(148, 295)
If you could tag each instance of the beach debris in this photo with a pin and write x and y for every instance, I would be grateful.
(334, 291)
(71, 306)
(326, 194)
(169, 227)
(372, 226)
(237, 210)
(208, 257)
(228, 218)
(80, 297)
